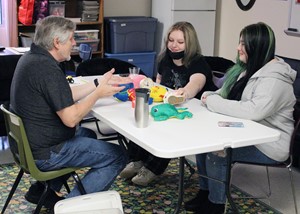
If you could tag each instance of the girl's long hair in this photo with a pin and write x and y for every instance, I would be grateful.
(192, 46)
(259, 40)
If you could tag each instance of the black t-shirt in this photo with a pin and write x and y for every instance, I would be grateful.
(173, 76)
(39, 89)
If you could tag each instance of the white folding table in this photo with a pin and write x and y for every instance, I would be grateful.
(175, 138)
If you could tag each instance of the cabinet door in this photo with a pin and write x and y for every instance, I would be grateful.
(204, 24)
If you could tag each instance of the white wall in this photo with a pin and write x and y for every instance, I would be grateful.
(230, 21)
(127, 7)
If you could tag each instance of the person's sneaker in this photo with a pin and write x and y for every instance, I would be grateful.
(144, 177)
(131, 169)
(173, 99)
(35, 192)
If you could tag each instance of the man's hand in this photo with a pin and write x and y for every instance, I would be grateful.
(115, 79)
(108, 84)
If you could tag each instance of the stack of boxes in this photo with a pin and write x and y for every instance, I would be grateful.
(88, 10)
(131, 39)
(57, 8)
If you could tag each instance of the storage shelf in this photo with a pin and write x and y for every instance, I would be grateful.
(76, 53)
(21, 25)
(89, 23)
(93, 25)
(77, 23)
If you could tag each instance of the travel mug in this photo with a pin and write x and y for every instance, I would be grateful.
(141, 111)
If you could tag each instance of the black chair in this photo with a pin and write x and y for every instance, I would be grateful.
(295, 64)
(219, 67)
(7, 64)
(99, 66)
(285, 164)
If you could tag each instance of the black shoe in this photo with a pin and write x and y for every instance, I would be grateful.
(197, 202)
(35, 193)
(211, 208)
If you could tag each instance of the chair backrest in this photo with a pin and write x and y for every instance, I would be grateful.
(16, 134)
(85, 51)
(295, 139)
(99, 66)
(295, 64)
(7, 65)
(219, 67)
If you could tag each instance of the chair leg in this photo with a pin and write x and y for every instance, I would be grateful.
(65, 181)
(66, 186)
(123, 142)
(293, 188)
(267, 195)
(269, 183)
(109, 137)
(13, 189)
(78, 182)
(106, 137)
(3, 139)
(42, 199)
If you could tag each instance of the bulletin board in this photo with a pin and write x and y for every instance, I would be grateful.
(294, 19)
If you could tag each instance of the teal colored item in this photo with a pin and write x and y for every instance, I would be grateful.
(165, 111)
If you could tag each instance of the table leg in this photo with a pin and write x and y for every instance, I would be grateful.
(228, 179)
(122, 141)
(180, 184)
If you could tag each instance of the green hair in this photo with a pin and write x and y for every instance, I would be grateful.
(231, 77)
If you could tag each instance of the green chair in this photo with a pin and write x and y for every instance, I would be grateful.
(24, 158)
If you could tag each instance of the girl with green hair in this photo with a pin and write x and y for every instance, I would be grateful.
(258, 87)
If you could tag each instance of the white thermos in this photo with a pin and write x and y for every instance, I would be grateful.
(141, 111)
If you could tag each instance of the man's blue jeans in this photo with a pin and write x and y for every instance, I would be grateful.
(105, 160)
(215, 166)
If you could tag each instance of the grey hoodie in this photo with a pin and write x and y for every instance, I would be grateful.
(268, 99)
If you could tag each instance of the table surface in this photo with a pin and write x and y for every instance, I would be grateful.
(13, 51)
(177, 138)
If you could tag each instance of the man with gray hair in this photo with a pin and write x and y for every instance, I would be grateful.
(42, 97)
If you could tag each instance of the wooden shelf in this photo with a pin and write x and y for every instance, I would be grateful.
(97, 25)
(75, 53)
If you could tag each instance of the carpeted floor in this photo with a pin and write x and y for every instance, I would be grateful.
(159, 197)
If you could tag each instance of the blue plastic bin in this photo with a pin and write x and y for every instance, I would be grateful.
(126, 34)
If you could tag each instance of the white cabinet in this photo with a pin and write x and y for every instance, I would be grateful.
(200, 13)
